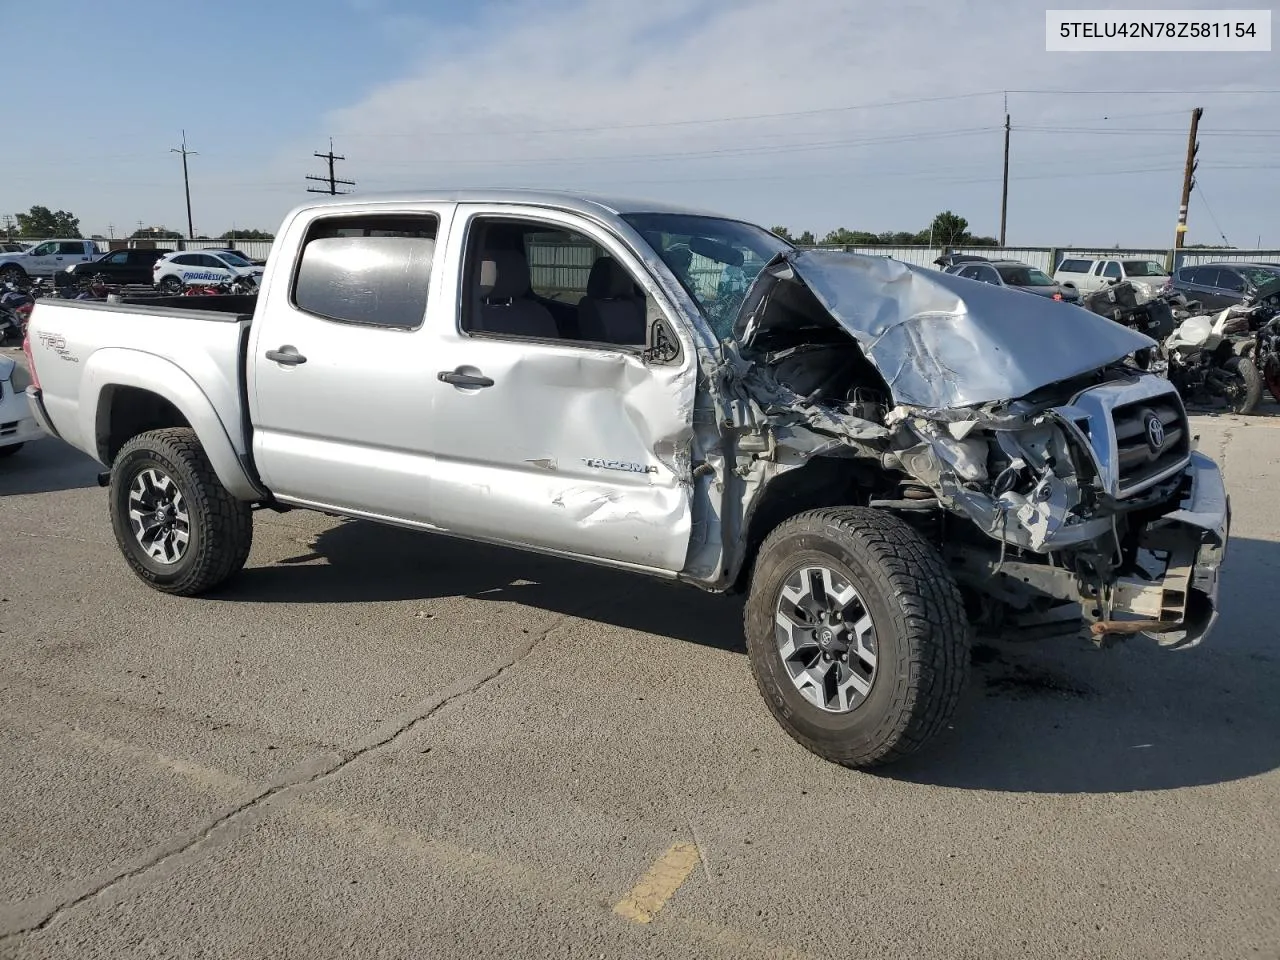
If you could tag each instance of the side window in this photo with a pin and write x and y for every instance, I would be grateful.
(74, 248)
(969, 273)
(120, 256)
(1111, 270)
(44, 249)
(544, 281)
(1230, 280)
(371, 270)
(209, 261)
(1074, 266)
(184, 260)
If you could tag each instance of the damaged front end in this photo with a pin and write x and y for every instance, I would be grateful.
(1058, 481)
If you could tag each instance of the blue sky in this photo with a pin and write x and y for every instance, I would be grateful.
(774, 112)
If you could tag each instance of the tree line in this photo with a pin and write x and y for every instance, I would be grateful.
(947, 229)
(41, 223)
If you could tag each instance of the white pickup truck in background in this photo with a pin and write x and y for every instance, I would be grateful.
(880, 455)
(45, 259)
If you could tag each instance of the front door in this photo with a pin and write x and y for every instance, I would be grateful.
(551, 426)
(42, 261)
(342, 368)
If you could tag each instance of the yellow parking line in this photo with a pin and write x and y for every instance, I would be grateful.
(657, 886)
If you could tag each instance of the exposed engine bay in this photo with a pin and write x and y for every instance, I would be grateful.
(1057, 479)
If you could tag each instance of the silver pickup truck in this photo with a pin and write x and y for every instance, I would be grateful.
(882, 457)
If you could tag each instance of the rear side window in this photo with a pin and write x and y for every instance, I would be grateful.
(1075, 266)
(186, 260)
(75, 248)
(373, 271)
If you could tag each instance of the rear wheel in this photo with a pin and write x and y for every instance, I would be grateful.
(176, 524)
(171, 286)
(857, 635)
(1271, 375)
(1245, 388)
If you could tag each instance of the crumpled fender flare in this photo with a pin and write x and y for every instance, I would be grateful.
(119, 367)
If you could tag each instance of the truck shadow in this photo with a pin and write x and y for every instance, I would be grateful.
(46, 466)
(1041, 717)
(368, 561)
(1066, 718)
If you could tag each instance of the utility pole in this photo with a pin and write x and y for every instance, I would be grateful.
(111, 230)
(330, 179)
(8, 227)
(1188, 179)
(186, 181)
(1004, 192)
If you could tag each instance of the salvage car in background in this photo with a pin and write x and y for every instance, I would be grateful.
(1017, 276)
(172, 272)
(1087, 275)
(876, 453)
(17, 426)
(45, 259)
(1219, 285)
(119, 266)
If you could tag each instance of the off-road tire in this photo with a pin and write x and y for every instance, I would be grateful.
(221, 527)
(10, 450)
(1247, 371)
(922, 633)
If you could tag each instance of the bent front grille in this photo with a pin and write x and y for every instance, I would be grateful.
(1136, 429)
(1143, 451)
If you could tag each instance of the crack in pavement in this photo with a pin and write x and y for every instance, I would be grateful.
(1227, 434)
(304, 776)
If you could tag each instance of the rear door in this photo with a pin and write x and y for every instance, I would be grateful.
(341, 371)
(544, 438)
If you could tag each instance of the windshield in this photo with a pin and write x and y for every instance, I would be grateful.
(233, 260)
(715, 260)
(1260, 275)
(1144, 268)
(1018, 276)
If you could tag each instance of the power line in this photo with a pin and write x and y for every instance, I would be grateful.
(1209, 210)
(786, 114)
(332, 180)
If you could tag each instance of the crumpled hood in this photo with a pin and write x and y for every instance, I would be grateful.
(944, 341)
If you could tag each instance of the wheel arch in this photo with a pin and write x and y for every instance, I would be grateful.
(130, 393)
(822, 482)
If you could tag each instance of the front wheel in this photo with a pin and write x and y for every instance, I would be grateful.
(857, 635)
(1244, 390)
(176, 524)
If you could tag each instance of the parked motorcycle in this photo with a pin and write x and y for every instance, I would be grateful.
(1207, 359)
(15, 310)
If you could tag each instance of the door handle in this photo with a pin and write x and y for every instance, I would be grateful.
(465, 379)
(287, 355)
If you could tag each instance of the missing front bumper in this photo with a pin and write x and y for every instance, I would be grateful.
(1177, 609)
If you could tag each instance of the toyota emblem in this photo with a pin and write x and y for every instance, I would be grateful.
(1155, 433)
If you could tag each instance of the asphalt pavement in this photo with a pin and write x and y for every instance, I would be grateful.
(376, 743)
